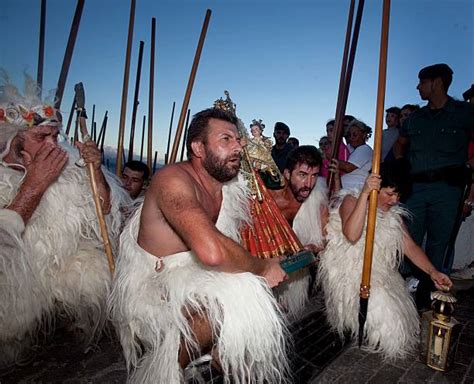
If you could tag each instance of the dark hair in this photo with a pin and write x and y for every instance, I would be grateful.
(331, 122)
(138, 166)
(395, 174)
(441, 70)
(198, 128)
(279, 126)
(348, 117)
(305, 154)
(294, 141)
(394, 110)
(411, 107)
(469, 94)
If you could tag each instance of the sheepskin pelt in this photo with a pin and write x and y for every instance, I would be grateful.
(152, 299)
(392, 322)
(55, 262)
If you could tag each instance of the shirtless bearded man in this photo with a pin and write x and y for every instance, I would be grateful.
(184, 285)
(303, 202)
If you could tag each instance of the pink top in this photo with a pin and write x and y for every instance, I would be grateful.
(343, 154)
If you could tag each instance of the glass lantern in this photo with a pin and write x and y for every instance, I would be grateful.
(439, 332)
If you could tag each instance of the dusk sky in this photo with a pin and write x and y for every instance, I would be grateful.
(280, 60)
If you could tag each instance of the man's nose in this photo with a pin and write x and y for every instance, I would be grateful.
(238, 146)
(51, 140)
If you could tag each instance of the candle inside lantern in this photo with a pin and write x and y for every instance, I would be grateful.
(438, 343)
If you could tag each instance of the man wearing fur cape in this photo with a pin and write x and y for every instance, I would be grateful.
(303, 203)
(184, 286)
(51, 256)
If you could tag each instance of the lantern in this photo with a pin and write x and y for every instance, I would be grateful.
(439, 332)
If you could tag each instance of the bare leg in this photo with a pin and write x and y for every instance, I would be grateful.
(202, 333)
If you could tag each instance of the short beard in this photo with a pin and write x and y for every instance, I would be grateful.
(280, 141)
(218, 168)
(296, 193)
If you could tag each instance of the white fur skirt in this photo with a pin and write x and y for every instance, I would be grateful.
(151, 301)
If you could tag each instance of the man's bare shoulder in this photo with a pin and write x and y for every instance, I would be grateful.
(277, 193)
(171, 177)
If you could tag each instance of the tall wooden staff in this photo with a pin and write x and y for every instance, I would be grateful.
(68, 54)
(126, 74)
(189, 88)
(143, 138)
(104, 125)
(94, 133)
(345, 80)
(183, 146)
(80, 98)
(169, 134)
(39, 74)
(151, 94)
(135, 102)
(71, 114)
(372, 213)
(154, 161)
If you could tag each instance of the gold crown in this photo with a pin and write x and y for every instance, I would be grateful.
(259, 123)
(225, 104)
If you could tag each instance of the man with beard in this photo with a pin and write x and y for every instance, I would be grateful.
(282, 148)
(184, 286)
(51, 252)
(303, 202)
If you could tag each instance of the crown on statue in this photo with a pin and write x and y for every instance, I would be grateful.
(225, 104)
(259, 123)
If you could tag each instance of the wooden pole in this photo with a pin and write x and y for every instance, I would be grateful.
(143, 138)
(71, 114)
(126, 74)
(102, 128)
(151, 92)
(68, 54)
(91, 170)
(154, 161)
(189, 88)
(372, 211)
(104, 124)
(94, 132)
(135, 102)
(345, 83)
(169, 134)
(183, 146)
(93, 122)
(76, 129)
(39, 74)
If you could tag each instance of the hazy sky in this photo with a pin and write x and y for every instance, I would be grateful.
(280, 60)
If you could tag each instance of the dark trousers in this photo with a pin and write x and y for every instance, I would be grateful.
(433, 207)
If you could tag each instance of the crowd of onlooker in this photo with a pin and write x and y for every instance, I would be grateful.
(436, 143)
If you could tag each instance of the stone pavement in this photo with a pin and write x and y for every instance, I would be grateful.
(319, 357)
(356, 366)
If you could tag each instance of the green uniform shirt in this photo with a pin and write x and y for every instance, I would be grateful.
(438, 138)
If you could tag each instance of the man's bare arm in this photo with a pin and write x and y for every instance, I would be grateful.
(177, 198)
(41, 172)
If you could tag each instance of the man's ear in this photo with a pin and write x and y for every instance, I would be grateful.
(197, 148)
(287, 174)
